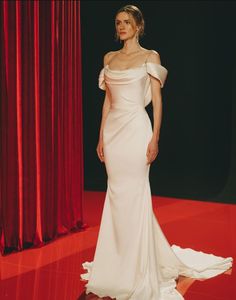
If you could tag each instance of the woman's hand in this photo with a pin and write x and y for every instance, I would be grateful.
(99, 149)
(152, 151)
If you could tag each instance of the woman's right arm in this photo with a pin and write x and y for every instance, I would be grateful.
(105, 111)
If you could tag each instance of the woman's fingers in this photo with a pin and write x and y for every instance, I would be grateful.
(151, 155)
(100, 156)
(100, 153)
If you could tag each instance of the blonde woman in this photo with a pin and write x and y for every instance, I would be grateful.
(133, 260)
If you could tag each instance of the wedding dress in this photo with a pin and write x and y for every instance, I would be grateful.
(133, 259)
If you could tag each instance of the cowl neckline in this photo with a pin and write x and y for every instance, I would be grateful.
(134, 68)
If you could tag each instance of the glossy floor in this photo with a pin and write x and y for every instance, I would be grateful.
(53, 271)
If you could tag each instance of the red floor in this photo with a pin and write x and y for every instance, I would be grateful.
(53, 271)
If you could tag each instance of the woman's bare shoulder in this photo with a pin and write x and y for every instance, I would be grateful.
(108, 56)
(153, 56)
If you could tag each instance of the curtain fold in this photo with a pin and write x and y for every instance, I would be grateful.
(41, 151)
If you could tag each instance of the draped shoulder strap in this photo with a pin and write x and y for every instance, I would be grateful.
(101, 80)
(101, 77)
(157, 71)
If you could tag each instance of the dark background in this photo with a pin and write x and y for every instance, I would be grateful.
(197, 44)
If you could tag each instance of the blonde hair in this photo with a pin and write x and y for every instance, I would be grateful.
(137, 15)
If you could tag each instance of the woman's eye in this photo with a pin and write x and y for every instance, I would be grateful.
(119, 23)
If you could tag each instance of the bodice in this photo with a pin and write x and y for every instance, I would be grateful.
(131, 86)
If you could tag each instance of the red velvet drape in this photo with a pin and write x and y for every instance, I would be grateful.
(41, 154)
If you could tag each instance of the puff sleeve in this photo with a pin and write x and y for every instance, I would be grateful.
(157, 71)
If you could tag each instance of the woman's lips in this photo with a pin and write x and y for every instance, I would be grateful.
(122, 32)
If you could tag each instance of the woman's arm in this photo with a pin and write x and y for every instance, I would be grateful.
(152, 150)
(105, 111)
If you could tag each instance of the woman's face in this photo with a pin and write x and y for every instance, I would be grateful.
(126, 27)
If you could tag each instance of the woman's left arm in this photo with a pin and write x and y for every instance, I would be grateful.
(153, 149)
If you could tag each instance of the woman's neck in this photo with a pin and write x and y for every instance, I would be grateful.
(130, 46)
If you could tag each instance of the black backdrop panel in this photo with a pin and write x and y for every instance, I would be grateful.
(196, 42)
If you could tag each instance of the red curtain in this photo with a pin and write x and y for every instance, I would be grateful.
(41, 154)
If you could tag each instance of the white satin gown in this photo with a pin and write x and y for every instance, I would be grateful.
(133, 260)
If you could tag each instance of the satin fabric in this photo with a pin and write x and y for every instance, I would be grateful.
(41, 118)
(133, 259)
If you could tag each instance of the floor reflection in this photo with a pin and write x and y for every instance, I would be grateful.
(53, 271)
(183, 284)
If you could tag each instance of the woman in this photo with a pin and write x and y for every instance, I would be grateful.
(133, 259)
